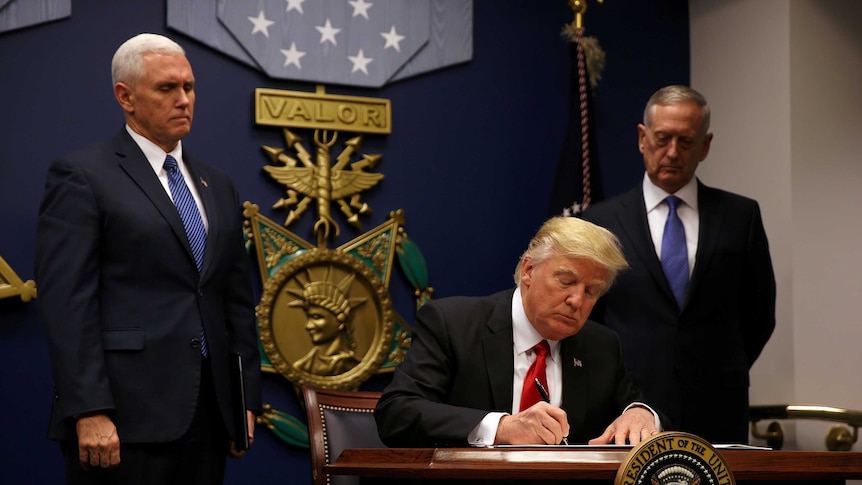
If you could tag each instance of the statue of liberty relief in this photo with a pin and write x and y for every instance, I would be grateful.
(328, 322)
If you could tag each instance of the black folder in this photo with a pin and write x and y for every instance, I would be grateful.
(240, 420)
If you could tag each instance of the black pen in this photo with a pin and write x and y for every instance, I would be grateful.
(547, 399)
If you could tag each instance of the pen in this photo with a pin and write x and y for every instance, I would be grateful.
(547, 399)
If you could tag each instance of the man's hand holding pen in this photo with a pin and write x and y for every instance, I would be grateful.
(545, 397)
(540, 424)
(545, 424)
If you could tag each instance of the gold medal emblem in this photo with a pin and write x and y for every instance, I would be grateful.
(326, 319)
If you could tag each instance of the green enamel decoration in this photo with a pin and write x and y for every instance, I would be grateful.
(412, 263)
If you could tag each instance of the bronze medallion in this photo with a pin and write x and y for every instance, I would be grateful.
(325, 318)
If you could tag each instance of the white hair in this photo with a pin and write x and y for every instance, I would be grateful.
(127, 65)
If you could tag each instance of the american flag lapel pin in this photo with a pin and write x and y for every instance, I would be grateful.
(204, 183)
(577, 362)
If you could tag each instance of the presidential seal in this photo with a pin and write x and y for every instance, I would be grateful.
(674, 458)
(325, 319)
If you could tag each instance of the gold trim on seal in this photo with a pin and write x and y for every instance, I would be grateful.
(674, 458)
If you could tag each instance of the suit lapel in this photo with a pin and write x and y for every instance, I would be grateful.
(576, 390)
(497, 348)
(636, 235)
(711, 215)
(135, 164)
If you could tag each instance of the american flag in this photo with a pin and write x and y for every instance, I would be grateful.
(577, 182)
(349, 42)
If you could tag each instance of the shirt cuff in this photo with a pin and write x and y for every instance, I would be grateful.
(642, 405)
(484, 433)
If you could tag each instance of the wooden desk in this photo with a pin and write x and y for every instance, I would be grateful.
(576, 464)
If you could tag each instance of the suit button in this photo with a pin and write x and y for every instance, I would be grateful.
(196, 343)
(200, 293)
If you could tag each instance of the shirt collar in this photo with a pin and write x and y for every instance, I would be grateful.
(155, 155)
(654, 195)
(525, 335)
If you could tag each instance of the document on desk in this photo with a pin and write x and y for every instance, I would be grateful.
(570, 447)
(740, 446)
(728, 446)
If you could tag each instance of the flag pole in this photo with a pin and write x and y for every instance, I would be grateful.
(586, 188)
(576, 34)
(576, 182)
(580, 8)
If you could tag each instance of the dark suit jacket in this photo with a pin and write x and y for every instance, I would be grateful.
(460, 366)
(122, 299)
(693, 364)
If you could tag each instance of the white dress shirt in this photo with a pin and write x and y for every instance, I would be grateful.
(525, 338)
(156, 156)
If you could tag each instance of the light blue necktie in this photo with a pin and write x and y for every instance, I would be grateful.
(674, 254)
(192, 221)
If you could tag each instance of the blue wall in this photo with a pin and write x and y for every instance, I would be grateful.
(471, 160)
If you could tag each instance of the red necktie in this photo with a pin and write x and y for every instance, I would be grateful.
(529, 394)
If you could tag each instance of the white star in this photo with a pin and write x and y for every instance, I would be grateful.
(327, 32)
(360, 62)
(261, 24)
(292, 56)
(360, 7)
(294, 5)
(392, 39)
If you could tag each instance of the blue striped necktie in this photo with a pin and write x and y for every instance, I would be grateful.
(674, 254)
(192, 221)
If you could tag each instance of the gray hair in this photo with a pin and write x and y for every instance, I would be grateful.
(127, 65)
(576, 238)
(677, 94)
